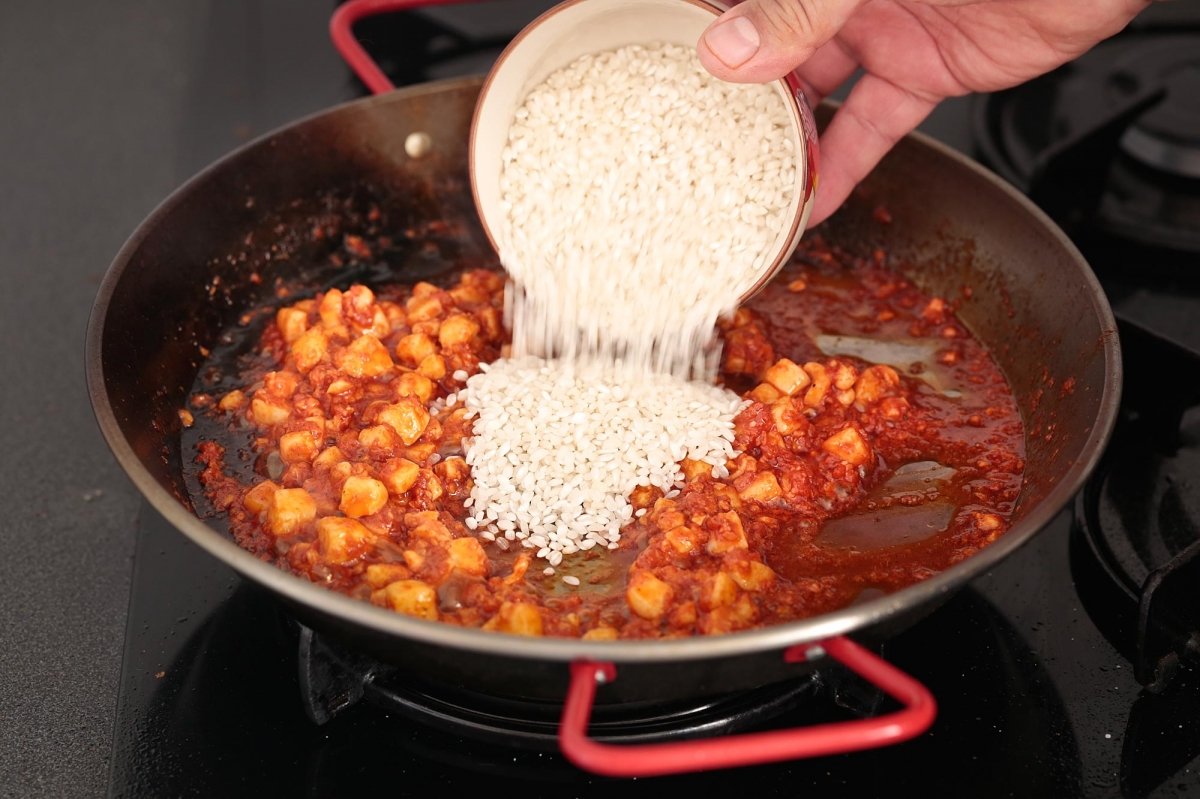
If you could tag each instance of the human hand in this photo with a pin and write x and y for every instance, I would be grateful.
(913, 53)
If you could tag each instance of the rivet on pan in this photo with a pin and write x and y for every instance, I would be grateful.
(418, 144)
(814, 652)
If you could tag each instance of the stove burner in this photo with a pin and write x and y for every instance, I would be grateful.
(1167, 136)
(1110, 143)
(1139, 515)
(333, 679)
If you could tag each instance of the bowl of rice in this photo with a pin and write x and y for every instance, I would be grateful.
(598, 137)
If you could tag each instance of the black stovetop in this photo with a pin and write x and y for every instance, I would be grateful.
(1033, 664)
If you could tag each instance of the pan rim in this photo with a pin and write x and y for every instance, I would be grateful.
(406, 629)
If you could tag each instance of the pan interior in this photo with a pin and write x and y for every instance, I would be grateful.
(255, 229)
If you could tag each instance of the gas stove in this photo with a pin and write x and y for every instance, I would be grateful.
(1073, 670)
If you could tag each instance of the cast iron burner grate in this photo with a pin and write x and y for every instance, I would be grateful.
(1110, 143)
(333, 679)
(1137, 557)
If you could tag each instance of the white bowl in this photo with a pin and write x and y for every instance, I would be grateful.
(579, 27)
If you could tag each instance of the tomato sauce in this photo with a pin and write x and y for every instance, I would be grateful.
(880, 445)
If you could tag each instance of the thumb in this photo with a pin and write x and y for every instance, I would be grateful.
(761, 40)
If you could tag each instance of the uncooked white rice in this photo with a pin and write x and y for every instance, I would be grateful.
(642, 197)
(557, 448)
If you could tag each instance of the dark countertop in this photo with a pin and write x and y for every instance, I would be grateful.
(106, 108)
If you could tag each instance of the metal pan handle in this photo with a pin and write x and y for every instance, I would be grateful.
(341, 30)
(648, 760)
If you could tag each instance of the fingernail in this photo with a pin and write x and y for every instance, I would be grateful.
(734, 41)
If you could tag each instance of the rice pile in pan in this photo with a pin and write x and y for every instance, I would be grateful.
(642, 196)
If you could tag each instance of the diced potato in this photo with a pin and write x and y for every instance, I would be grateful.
(893, 407)
(258, 499)
(380, 574)
(380, 325)
(399, 475)
(788, 417)
(848, 444)
(429, 328)
(744, 611)
(875, 382)
(365, 357)
(735, 362)
(266, 412)
(412, 598)
(362, 496)
(413, 559)
(408, 417)
(666, 517)
(987, 521)
(643, 497)
(297, 447)
(328, 458)
(468, 295)
(432, 366)
(467, 555)
(741, 317)
(414, 347)
(765, 393)
(693, 470)
(232, 401)
(395, 315)
(414, 384)
(342, 540)
(453, 470)
(380, 436)
(292, 322)
(727, 533)
(821, 381)
(844, 376)
(684, 539)
(719, 591)
(492, 322)
(728, 494)
(290, 510)
(330, 309)
(339, 386)
(422, 309)
(359, 298)
(787, 376)
(601, 634)
(752, 575)
(684, 615)
(310, 349)
(763, 488)
(359, 304)
(281, 385)
(433, 488)
(420, 453)
(517, 618)
(423, 288)
(647, 595)
(426, 524)
(457, 329)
